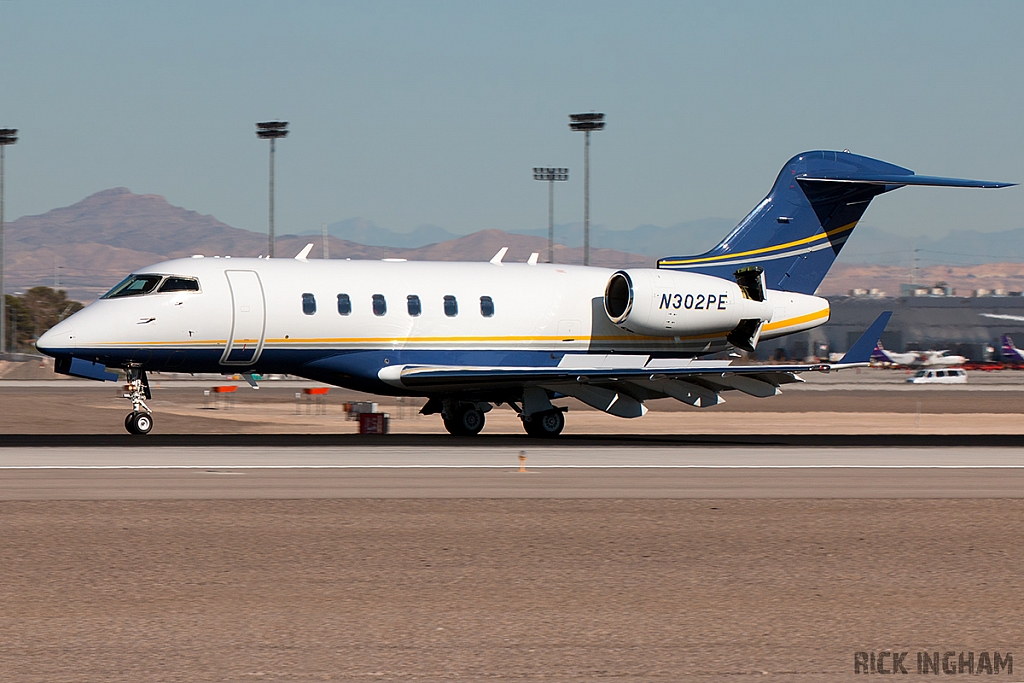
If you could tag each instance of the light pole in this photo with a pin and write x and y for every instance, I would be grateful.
(271, 130)
(586, 123)
(551, 175)
(8, 136)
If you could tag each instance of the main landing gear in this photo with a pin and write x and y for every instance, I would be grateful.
(140, 420)
(547, 424)
(466, 419)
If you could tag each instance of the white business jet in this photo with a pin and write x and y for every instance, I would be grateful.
(469, 336)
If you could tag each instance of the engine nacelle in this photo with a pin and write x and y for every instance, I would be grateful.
(670, 303)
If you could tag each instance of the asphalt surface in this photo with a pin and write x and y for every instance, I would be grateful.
(446, 441)
(289, 556)
(512, 590)
(539, 471)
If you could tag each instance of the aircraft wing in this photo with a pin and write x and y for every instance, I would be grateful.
(619, 384)
(1003, 316)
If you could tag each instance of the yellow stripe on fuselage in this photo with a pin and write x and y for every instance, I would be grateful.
(769, 327)
(763, 250)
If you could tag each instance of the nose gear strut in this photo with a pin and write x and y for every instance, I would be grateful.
(140, 420)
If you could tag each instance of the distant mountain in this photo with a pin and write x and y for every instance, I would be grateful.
(691, 237)
(366, 232)
(869, 244)
(89, 246)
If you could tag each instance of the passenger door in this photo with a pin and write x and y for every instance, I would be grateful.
(248, 318)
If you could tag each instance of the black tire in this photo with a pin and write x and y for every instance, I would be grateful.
(546, 425)
(129, 423)
(142, 423)
(467, 421)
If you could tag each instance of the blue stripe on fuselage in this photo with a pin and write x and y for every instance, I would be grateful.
(352, 368)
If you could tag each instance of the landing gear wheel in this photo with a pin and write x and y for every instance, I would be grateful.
(547, 424)
(468, 420)
(139, 423)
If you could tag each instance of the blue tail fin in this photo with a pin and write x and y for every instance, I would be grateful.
(1011, 352)
(864, 347)
(797, 231)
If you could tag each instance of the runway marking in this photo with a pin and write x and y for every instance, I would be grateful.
(207, 468)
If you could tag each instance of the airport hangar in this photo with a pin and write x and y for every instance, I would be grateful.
(918, 323)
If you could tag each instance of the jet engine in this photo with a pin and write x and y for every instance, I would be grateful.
(669, 303)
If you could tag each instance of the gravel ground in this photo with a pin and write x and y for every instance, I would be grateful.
(100, 410)
(625, 590)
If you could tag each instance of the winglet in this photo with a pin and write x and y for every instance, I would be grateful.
(861, 350)
(301, 256)
(533, 259)
(500, 255)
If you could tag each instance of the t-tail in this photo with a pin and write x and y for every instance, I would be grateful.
(1010, 352)
(798, 230)
(879, 355)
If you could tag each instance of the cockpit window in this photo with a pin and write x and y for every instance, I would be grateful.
(134, 285)
(180, 284)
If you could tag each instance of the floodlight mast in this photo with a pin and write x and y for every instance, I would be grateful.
(551, 175)
(271, 130)
(586, 123)
(8, 136)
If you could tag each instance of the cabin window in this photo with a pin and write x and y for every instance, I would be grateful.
(380, 306)
(344, 304)
(486, 306)
(180, 284)
(451, 306)
(940, 373)
(308, 304)
(414, 305)
(134, 285)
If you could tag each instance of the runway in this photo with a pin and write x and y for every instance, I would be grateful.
(122, 440)
(547, 471)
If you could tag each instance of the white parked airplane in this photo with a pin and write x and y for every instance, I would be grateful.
(472, 335)
(916, 359)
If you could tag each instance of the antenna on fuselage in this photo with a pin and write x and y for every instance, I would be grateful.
(500, 255)
(301, 256)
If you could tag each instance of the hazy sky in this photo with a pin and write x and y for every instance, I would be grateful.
(408, 113)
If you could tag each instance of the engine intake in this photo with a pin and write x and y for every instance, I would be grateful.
(618, 297)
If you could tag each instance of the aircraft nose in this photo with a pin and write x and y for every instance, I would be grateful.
(60, 337)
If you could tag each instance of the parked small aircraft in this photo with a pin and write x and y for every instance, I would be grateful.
(916, 359)
(1011, 354)
(469, 336)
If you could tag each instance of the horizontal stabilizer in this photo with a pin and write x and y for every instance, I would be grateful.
(893, 179)
(862, 349)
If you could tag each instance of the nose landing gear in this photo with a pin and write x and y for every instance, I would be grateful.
(140, 420)
(138, 423)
